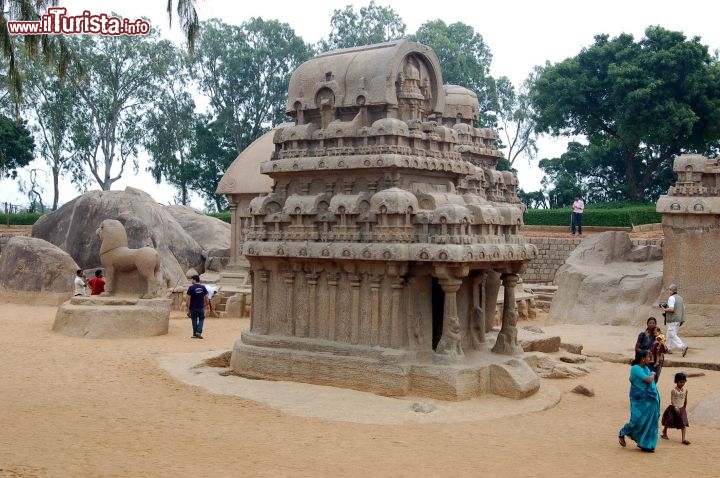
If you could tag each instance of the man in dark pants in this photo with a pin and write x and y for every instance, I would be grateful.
(578, 208)
(197, 301)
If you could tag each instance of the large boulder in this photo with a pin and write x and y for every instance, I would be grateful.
(211, 233)
(608, 281)
(33, 271)
(72, 228)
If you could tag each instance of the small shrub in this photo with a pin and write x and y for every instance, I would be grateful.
(223, 216)
(20, 219)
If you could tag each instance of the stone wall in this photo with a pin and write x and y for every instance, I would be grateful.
(554, 251)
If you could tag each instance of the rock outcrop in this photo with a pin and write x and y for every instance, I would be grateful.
(608, 281)
(33, 271)
(211, 233)
(72, 228)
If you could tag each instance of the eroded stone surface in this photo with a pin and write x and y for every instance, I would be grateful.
(34, 271)
(104, 318)
(603, 283)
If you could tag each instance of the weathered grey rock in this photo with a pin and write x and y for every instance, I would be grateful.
(533, 329)
(72, 228)
(573, 359)
(603, 283)
(544, 344)
(572, 348)
(424, 407)
(584, 390)
(513, 379)
(211, 233)
(33, 271)
(707, 412)
(103, 318)
(548, 367)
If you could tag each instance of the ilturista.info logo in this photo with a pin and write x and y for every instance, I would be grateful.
(57, 22)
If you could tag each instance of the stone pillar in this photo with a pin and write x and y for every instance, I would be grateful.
(375, 282)
(412, 319)
(235, 224)
(332, 279)
(450, 344)
(289, 279)
(355, 308)
(492, 288)
(397, 336)
(311, 324)
(260, 310)
(476, 324)
(507, 337)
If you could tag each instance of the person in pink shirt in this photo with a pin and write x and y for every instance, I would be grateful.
(578, 208)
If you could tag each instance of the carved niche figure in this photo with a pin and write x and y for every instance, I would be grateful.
(118, 259)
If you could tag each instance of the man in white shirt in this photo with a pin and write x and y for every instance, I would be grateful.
(80, 282)
(578, 208)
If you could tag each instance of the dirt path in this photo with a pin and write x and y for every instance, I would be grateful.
(73, 407)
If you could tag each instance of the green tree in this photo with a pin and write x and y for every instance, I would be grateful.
(638, 103)
(171, 129)
(16, 146)
(51, 103)
(245, 71)
(465, 60)
(516, 126)
(51, 48)
(211, 154)
(121, 80)
(372, 24)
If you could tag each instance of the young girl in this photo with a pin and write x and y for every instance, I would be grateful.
(675, 415)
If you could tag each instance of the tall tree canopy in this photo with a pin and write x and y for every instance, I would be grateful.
(16, 146)
(638, 103)
(465, 60)
(372, 24)
(245, 72)
(171, 129)
(120, 82)
(51, 103)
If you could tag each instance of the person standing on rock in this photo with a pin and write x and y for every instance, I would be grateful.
(675, 317)
(197, 301)
(80, 283)
(578, 208)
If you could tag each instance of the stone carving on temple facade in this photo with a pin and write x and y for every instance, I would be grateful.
(378, 256)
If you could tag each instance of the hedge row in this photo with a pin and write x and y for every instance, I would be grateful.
(602, 217)
(594, 216)
(224, 216)
(21, 219)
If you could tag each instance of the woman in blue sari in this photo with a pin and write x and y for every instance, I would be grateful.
(644, 405)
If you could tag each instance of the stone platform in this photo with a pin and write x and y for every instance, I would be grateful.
(380, 370)
(98, 317)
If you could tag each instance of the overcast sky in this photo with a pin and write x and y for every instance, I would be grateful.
(519, 33)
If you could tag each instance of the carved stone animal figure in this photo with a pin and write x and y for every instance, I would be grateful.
(117, 258)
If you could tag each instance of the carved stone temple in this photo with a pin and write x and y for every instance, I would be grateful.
(691, 249)
(377, 260)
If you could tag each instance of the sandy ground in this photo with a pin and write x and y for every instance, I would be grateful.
(72, 407)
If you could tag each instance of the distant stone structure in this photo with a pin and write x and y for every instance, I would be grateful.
(377, 258)
(691, 225)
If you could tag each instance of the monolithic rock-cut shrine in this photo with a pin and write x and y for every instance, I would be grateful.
(690, 218)
(378, 257)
